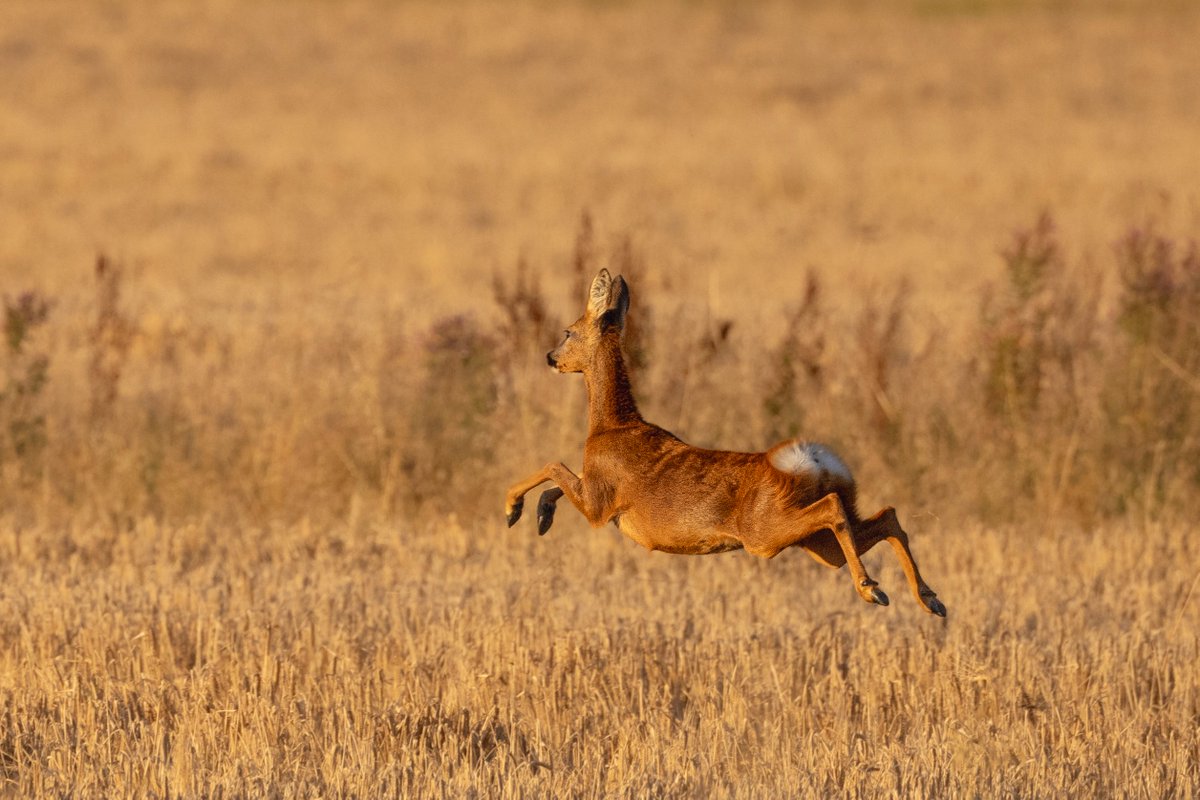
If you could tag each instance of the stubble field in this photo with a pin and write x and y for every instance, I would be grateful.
(252, 469)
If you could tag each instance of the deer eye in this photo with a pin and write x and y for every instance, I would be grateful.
(568, 334)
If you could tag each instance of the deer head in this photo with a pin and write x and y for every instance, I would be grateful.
(607, 302)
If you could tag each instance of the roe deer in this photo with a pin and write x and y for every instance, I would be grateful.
(667, 495)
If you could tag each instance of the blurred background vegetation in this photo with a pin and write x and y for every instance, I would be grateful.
(1072, 393)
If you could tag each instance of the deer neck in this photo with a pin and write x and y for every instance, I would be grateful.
(610, 396)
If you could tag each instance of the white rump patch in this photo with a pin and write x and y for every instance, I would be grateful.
(799, 458)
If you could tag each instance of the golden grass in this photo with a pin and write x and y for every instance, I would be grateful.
(368, 659)
(255, 547)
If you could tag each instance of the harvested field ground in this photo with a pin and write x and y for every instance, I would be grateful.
(362, 660)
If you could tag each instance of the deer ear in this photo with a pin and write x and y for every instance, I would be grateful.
(618, 305)
(598, 295)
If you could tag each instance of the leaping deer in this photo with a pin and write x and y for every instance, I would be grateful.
(667, 495)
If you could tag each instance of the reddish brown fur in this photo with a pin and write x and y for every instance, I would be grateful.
(667, 495)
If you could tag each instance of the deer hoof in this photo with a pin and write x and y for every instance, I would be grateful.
(545, 513)
(878, 596)
(935, 607)
(514, 513)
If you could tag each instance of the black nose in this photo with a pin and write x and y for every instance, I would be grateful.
(550, 359)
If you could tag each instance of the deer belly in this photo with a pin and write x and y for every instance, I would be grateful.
(676, 540)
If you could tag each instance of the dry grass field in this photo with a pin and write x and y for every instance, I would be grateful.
(252, 462)
(362, 659)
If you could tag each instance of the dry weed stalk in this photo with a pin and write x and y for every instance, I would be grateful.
(22, 419)
(109, 339)
(797, 366)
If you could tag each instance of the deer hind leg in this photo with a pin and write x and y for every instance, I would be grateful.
(884, 526)
(823, 546)
(824, 517)
(567, 483)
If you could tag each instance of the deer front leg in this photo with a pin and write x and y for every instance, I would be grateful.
(568, 483)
